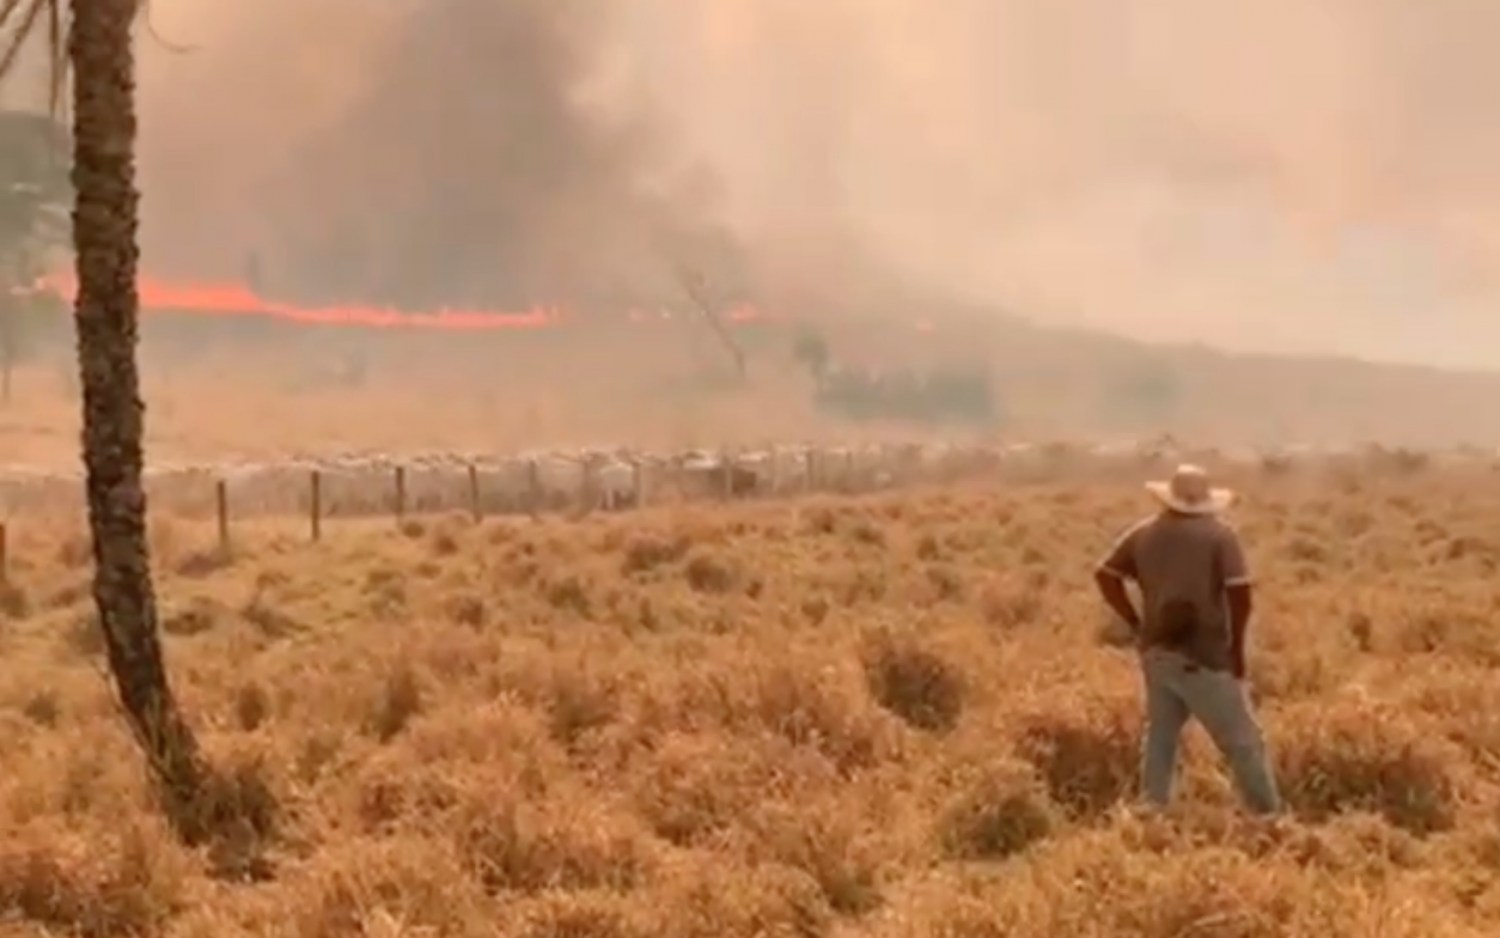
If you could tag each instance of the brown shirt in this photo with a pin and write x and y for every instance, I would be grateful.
(1183, 564)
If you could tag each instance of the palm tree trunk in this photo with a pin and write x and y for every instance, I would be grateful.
(104, 234)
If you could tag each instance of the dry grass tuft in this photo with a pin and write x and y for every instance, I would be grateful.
(201, 563)
(84, 635)
(239, 814)
(1088, 758)
(1003, 812)
(43, 708)
(645, 552)
(581, 917)
(469, 610)
(14, 602)
(831, 848)
(56, 881)
(252, 707)
(1354, 758)
(1010, 601)
(194, 617)
(398, 703)
(511, 846)
(919, 686)
(708, 572)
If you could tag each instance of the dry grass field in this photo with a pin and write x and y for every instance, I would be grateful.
(893, 716)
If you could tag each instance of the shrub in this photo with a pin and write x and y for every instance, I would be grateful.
(1348, 760)
(917, 685)
(1000, 814)
(1088, 757)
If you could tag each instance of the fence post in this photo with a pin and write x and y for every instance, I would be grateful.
(315, 509)
(474, 507)
(587, 493)
(810, 469)
(533, 487)
(726, 464)
(221, 509)
(638, 473)
(400, 495)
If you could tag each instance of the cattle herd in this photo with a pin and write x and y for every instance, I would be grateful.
(619, 478)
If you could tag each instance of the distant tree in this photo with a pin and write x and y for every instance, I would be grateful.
(963, 394)
(34, 196)
(711, 309)
(953, 395)
(811, 352)
(706, 267)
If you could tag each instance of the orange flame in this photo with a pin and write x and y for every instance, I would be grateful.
(239, 300)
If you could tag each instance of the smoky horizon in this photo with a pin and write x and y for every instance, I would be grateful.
(1292, 176)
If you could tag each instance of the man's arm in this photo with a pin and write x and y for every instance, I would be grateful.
(1112, 588)
(1240, 605)
(1237, 592)
(1110, 576)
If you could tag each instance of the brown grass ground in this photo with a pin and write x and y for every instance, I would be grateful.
(890, 716)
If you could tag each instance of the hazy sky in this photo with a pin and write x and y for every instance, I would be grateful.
(1309, 175)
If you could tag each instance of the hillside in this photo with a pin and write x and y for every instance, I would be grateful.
(1091, 384)
(263, 387)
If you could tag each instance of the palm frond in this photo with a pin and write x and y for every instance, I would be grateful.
(57, 53)
(21, 26)
(7, 10)
(144, 13)
(20, 20)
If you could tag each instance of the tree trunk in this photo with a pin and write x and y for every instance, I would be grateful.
(104, 236)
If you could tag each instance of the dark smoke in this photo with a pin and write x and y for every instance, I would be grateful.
(472, 168)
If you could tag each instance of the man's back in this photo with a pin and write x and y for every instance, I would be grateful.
(1183, 564)
(1196, 608)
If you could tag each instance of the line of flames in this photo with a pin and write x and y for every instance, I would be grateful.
(239, 300)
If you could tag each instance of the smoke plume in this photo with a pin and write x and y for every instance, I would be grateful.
(1305, 175)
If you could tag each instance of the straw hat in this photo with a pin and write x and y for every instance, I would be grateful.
(1188, 492)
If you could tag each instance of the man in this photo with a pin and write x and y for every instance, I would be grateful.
(1195, 598)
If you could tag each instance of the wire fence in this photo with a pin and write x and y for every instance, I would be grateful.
(586, 481)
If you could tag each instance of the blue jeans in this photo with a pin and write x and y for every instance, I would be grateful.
(1176, 689)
